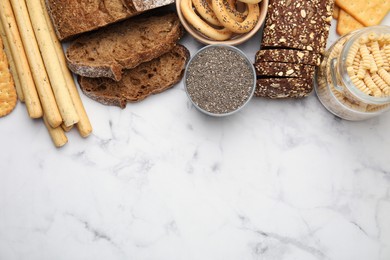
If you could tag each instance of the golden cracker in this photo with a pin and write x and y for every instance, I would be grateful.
(336, 12)
(368, 13)
(8, 95)
(346, 23)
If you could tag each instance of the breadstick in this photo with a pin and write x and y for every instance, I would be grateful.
(66, 128)
(37, 66)
(22, 67)
(84, 126)
(57, 134)
(53, 67)
(11, 63)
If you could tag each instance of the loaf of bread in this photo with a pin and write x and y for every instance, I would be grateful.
(140, 82)
(106, 52)
(72, 17)
(294, 38)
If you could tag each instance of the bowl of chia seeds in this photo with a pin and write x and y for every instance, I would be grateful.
(219, 80)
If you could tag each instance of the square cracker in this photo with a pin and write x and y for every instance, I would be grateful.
(347, 23)
(367, 12)
(8, 96)
(336, 12)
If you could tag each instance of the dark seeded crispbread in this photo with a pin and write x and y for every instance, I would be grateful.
(298, 24)
(280, 69)
(289, 56)
(277, 88)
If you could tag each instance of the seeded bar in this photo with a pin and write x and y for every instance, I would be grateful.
(280, 69)
(276, 88)
(289, 56)
(299, 24)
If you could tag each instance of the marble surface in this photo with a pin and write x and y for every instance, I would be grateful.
(280, 180)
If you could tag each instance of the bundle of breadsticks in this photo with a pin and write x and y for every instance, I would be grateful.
(220, 19)
(43, 81)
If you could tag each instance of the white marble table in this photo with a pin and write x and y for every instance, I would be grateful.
(158, 180)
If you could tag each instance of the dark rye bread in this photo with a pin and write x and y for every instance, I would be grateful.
(289, 56)
(105, 53)
(298, 24)
(72, 17)
(280, 69)
(277, 88)
(140, 82)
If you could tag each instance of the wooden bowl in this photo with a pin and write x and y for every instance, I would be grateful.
(236, 39)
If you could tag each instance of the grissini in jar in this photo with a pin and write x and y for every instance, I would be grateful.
(202, 26)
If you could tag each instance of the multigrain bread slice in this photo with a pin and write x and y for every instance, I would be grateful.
(280, 69)
(140, 82)
(289, 56)
(298, 24)
(105, 53)
(72, 17)
(277, 88)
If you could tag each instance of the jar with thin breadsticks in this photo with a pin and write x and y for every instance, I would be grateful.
(353, 80)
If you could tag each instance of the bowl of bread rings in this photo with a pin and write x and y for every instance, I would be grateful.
(229, 22)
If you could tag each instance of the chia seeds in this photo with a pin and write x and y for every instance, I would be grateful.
(219, 80)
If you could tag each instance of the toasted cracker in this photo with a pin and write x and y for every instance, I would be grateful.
(8, 95)
(368, 13)
(336, 12)
(346, 23)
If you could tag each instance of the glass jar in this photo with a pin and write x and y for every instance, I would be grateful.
(336, 82)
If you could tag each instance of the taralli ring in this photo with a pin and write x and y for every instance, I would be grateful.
(238, 27)
(253, 2)
(203, 7)
(232, 11)
(202, 26)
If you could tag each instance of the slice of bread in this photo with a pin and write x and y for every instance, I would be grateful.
(72, 17)
(281, 69)
(105, 53)
(276, 88)
(289, 56)
(140, 82)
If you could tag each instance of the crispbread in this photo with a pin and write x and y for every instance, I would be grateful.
(8, 95)
(347, 23)
(283, 87)
(298, 24)
(368, 13)
(289, 56)
(280, 69)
